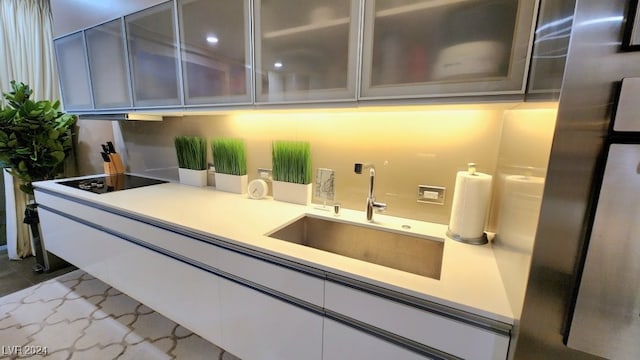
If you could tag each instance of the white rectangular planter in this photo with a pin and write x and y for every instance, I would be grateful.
(232, 183)
(192, 177)
(291, 192)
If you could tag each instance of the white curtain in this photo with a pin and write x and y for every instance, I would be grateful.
(27, 55)
(26, 39)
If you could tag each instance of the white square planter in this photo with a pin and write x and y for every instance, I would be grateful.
(292, 193)
(192, 177)
(231, 183)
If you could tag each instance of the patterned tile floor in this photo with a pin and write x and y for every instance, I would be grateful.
(18, 274)
(76, 316)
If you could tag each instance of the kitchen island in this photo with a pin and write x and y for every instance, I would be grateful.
(202, 258)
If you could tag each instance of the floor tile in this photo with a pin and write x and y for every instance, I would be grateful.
(19, 274)
(12, 284)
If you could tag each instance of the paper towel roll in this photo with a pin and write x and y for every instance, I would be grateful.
(470, 204)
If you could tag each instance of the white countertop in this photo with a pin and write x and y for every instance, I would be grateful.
(469, 281)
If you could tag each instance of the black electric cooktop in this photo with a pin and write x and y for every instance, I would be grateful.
(105, 184)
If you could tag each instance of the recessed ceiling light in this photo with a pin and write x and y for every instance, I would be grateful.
(212, 39)
(277, 65)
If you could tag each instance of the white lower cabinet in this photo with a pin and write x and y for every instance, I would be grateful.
(181, 292)
(85, 247)
(444, 333)
(259, 326)
(344, 342)
(246, 322)
(252, 307)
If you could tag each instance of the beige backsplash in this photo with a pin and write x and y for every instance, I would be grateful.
(409, 146)
(89, 135)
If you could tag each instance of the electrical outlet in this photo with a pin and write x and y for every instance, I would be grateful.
(431, 194)
(265, 174)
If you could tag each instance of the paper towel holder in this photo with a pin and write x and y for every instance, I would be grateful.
(473, 241)
(471, 173)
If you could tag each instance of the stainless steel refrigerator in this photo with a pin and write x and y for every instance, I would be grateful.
(583, 295)
(606, 319)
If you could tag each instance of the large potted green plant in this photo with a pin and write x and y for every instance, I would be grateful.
(291, 162)
(35, 137)
(35, 140)
(192, 160)
(230, 161)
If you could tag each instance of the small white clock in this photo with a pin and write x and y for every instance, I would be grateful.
(257, 189)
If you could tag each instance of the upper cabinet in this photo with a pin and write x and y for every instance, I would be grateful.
(107, 54)
(73, 72)
(306, 50)
(153, 56)
(215, 44)
(72, 15)
(207, 53)
(550, 48)
(429, 48)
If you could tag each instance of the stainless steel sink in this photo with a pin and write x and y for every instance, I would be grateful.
(387, 248)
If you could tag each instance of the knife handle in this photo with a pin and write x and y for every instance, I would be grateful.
(116, 160)
(112, 149)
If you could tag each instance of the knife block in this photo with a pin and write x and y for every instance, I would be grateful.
(114, 166)
(115, 182)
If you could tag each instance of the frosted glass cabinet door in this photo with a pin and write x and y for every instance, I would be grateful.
(550, 48)
(109, 69)
(73, 72)
(305, 50)
(216, 67)
(153, 55)
(426, 48)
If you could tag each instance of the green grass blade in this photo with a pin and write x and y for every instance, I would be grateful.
(291, 161)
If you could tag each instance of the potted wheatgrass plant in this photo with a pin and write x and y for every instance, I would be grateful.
(192, 160)
(291, 162)
(230, 161)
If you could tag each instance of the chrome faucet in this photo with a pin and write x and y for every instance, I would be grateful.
(371, 198)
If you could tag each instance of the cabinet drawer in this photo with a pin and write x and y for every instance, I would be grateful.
(343, 342)
(258, 326)
(83, 247)
(433, 330)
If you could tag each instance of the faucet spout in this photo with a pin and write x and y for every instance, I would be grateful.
(371, 198)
